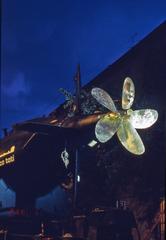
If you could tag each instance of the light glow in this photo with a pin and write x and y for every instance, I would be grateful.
(7, 160)
(92, 143)
(10, 151)
(78, 178)
(7, 157)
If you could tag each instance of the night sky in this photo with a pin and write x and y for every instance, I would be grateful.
(43, 41)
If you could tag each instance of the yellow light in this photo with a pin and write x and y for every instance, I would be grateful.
(7, 160)
(2, 163)
(10, 151)
(7, 157)
(54, 121)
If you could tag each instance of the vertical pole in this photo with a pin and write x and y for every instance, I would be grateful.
(77, 80)
(75, 179)
(162, 219)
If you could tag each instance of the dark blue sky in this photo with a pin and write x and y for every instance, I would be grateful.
(42, 42)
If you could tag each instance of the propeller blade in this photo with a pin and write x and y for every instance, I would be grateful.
(107, 126)
(130, 138)
(128, 93)
(143, 118)
(103, 98)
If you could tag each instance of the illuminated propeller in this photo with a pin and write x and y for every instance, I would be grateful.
(123, 122)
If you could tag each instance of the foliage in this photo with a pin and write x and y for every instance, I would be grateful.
(88, 105)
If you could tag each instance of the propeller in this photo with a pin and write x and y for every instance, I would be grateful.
(124, 122)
